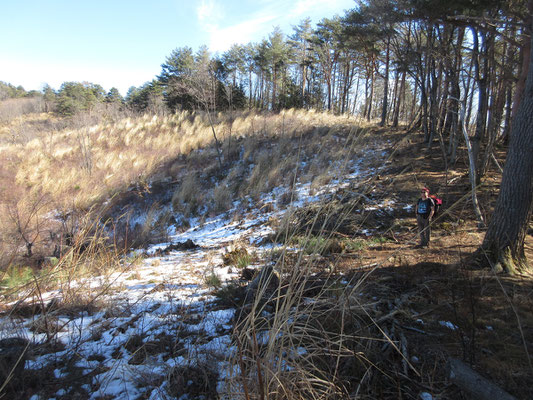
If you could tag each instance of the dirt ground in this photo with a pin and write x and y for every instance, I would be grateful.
(443, 307)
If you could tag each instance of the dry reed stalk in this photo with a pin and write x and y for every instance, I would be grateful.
(272, 365)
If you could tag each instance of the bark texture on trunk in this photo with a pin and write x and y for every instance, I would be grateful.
(503, 246)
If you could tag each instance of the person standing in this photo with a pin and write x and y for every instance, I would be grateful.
(425, 208)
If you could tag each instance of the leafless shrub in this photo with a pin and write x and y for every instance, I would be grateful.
(13, 108)
(24, 219)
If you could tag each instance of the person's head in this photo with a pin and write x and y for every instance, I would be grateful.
(424, 192)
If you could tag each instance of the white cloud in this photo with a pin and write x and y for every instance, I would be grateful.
(256, 26)
(209, 13)
(216, 19)
(222, 34)
(304, 8)
(223, 38)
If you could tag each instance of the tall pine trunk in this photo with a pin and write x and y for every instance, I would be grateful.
(503, 246)
(384, 109)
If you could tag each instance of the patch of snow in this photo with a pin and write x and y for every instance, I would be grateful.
(448, 325)
(165, 295)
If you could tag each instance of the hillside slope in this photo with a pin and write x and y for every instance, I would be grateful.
(345, 306)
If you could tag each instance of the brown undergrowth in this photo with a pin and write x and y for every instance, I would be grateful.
(425, 305)
(353, 313)
(55, 170)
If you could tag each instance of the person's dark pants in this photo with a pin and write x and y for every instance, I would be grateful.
(424, 230)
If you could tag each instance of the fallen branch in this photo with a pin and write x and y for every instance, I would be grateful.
(470, 381)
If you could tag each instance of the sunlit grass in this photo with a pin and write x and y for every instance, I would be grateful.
(83, 165)
(99, 159)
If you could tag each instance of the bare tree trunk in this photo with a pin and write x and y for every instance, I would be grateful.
(482, 78)
(472, 172)
(469, 92)
(367, 86)
(251, 99)
(525, 53)
(508, 113)
(412, 111)
(395, 97)
(384, 109)
(304, 80)
(496, 109)
(217, 143)
(274, 87)
(400, 101)
(503, 246)
(356, 96)
(455, 97)
(434, 83)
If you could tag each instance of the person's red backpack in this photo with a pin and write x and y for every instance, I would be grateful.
(437, 201)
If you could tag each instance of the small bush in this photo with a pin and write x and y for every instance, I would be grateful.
(222, 200)
(238, 257)
(243, 261)
(16, 276)
(212, 280)
(353, 245)
(188, 197)
(378, 240)
(231, 295)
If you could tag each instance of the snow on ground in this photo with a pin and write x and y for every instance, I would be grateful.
(164, 304)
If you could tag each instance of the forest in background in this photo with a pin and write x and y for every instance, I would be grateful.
(425, 63)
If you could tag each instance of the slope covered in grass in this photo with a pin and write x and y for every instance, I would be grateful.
(289, 273)
(63, 172)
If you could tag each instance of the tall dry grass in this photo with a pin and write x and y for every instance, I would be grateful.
(93, 157)
(92, 162)
(316, 343)
(307, 336)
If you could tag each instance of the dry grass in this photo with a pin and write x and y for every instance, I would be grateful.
(92, 158)
(306, 335)
(91, 255)
(89, 163)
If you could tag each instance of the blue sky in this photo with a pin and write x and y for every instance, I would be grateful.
(123, 43)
